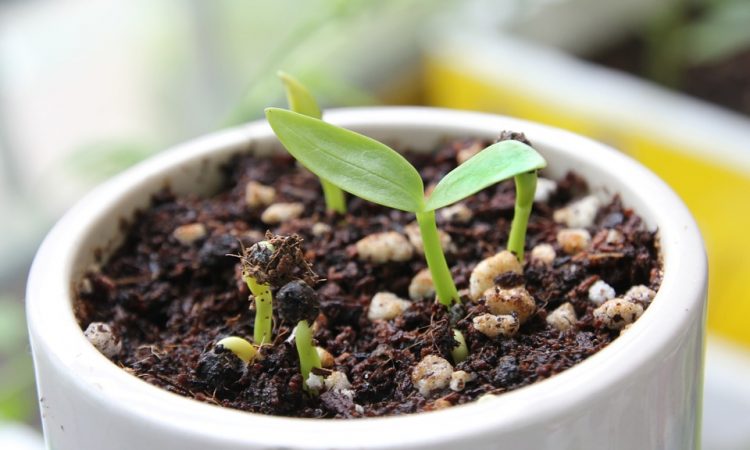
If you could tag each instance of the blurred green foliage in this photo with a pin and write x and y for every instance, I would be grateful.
(97, 161)
(327, 83)
(17, 398)
(695, 32)
(244, 44)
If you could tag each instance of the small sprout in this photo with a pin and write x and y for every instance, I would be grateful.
(458, 213)
(493, 326)
(579, 214)
(272, 262)
(459, 379)
(600, 292)
(301, 101)
(257, 195)
(525, 189)
(515, 300)
(573, 240)
(461, 351)
(544, 189)
(103, 337)
(433, 373)
(445, 288)
(326, 358)
(190, 233)
(640, 293)
(375, 172)
(298, 303)
(308, 357)
(525, 193)
(282, 212)
(421, 286)
(380, 248)
(543, 255)
(415, 237)
(386, 306)
(299, 97)
(563, 317)
(484, 274)
(260, 254)
(240, 347)
(263, 311)
(617, 313)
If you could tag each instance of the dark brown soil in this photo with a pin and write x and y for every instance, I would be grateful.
(169, 303)
(725, 82)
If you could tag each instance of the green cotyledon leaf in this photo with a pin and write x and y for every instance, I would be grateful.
(357, 164)
(301, 100)
(495, 163)
(298, 97)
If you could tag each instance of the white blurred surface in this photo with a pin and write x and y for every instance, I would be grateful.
(726, 404)
(19, 437)
(726, 397)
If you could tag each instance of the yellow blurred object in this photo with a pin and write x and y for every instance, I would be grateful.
(717, 194)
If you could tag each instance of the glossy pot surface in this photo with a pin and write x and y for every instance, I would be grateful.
(642, 391)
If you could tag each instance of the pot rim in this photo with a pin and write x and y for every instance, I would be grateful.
(54, 330)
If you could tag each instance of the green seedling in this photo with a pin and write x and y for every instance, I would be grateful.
(525, 189)
(298, 303)
(461, 351)
(373, 171)
(240, 347)
(308, 356)
(301, 101)
(272, 263)
(257, 256)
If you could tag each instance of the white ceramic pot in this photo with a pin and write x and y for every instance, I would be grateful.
(643, 391)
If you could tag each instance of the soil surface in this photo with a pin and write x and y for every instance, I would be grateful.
(725, 82)
(169, 302)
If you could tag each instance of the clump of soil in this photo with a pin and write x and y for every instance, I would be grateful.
(169, 300)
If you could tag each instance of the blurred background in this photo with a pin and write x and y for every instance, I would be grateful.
(88, 88)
